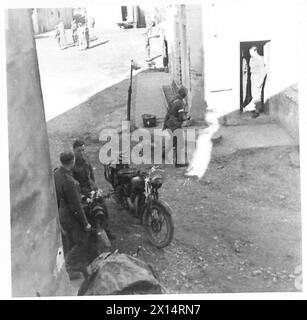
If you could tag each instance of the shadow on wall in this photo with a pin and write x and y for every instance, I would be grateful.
(284, 108)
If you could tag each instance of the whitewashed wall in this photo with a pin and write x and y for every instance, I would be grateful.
(226, 24)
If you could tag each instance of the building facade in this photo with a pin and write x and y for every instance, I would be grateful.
(230, 29)
(207, 44)
(45, 19)
(133, 14)
(183, 32)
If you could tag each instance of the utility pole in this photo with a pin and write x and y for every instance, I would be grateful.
(129, 93)
(133, 66)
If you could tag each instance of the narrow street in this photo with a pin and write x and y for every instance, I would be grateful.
(237, 230)
(101, 72)
(70, 76)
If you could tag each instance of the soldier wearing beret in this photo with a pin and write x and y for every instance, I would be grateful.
(75, 226)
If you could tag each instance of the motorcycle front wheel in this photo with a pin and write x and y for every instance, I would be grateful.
(158, 223)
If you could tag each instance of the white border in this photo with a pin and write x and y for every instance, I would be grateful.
(5, 263)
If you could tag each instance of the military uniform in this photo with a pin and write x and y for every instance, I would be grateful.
(173, 121)
(175, 114)
(76, 241)
(84, 174)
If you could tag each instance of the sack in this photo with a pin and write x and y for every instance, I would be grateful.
(119, 273)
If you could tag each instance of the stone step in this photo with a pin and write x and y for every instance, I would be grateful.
(238, 118)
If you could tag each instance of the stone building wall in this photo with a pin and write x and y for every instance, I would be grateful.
(35, 234)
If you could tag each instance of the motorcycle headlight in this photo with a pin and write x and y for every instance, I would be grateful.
(156, 182)
(157, 178)
(99, 193)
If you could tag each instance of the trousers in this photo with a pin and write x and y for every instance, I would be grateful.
(78, 255)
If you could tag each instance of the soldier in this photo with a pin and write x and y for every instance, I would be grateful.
(174, 119)
(83, 172)
(75, 226)
(74, 31)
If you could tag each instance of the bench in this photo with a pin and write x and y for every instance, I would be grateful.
(168, 92)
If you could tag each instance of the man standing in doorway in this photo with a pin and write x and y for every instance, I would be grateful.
(258, 74)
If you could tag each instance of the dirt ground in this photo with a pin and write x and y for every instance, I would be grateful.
(237, 230)
(71, 76)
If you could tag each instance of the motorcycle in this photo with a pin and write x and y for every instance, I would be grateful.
(137, 192)
(97, 216)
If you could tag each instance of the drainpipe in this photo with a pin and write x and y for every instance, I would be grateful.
(35, 236)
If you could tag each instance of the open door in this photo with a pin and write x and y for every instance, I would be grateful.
(265, 92)
(263, 48)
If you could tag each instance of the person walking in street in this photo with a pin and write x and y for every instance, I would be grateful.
(81, 36)
(87, 35)
(57, 35)
(74, 224)
(62, 34)
(83, 172)
(74, 28)
(147, 45)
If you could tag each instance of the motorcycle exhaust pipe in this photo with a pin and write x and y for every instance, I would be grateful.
(136, 201)
(133, 205)
(130, 203)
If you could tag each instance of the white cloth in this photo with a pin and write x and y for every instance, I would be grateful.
(257, 68)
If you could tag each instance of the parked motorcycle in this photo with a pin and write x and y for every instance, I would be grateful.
(97, 217)
(137, 192)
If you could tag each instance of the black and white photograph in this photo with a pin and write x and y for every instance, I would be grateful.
(154, 147)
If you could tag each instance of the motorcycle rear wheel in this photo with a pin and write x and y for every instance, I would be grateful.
(154, 219)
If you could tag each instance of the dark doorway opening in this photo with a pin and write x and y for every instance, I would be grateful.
(245, 74)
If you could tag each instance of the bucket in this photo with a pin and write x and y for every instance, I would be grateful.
(149, 120)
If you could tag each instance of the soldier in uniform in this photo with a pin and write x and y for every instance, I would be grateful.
(75, 226)
(83, 172)
(175, 117)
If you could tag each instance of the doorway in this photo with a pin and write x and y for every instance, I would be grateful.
(245, 74)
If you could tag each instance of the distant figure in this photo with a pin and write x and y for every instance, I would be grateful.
(92, 22)
(147, 44)
(148, 36)
(62, 34)
(165, 52)
(74, 29)
(258, 74)
(81, 37)
(57, 35)
(87, 35)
